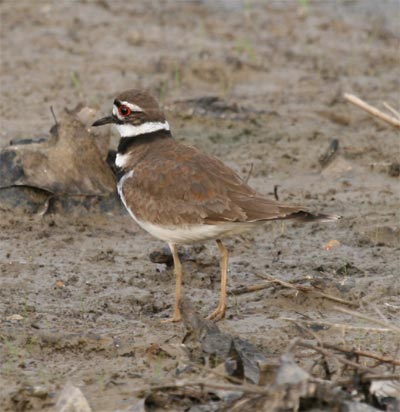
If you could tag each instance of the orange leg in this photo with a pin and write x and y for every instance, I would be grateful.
(178, 286)
(219, 313)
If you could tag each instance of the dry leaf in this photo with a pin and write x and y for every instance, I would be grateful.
(60, 284)
(331, 244)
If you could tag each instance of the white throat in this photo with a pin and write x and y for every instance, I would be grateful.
(130, 130)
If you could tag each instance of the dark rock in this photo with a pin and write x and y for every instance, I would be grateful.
(394, 170)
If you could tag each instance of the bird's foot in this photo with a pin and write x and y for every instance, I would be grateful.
(171, 320)
(176, 318)
(218, 313)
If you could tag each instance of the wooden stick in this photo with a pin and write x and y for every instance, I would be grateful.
(372, 110)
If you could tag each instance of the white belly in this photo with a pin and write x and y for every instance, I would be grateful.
(194, 233)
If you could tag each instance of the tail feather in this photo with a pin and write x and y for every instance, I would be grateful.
(304, 216)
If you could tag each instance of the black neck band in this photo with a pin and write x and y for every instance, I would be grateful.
(126, 143)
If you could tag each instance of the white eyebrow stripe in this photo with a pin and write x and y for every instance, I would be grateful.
(133, 107)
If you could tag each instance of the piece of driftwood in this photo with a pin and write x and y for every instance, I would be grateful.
(67, 163)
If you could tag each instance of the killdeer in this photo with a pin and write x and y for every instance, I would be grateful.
(179, 194)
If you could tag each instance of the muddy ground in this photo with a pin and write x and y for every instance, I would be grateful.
(88, 297)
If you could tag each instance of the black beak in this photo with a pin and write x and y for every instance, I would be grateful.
(104, 120)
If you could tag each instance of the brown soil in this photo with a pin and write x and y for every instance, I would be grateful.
(90, 299)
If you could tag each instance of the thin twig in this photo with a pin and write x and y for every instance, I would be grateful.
(379, 358)
(372, 110)
(304, 329)
(392, 377)
(307, 289)
(380, 314)
(276, 192)
(317, 338)
(325, 352)
(338, 325)
(54, 116)
(203, 383)
(233, 379)
(391, 109)
(383, 359)
(249, 173)
(249, 289)
(368, 378)
(388, 325)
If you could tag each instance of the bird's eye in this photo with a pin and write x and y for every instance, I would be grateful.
(124, 110)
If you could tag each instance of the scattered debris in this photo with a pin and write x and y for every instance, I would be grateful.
(329, 155)
(334, 117)
(276, 187)
(390, 168)
(382, 236)
(72, 400)
(394, 169)
(336, 168)
(88, 342)
(354, 387)
(164, 256)
(293, 381)
(386, 393)
(39, 391)
(31, 398)
(206, 342)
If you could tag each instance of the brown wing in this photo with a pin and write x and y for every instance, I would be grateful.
(182, 185)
